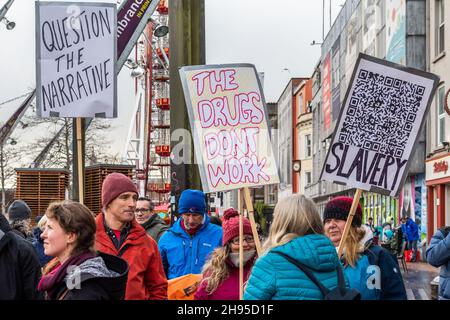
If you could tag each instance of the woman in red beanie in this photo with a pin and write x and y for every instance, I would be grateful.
(221, 271)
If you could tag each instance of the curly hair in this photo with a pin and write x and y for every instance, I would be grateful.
(216, 270)
(23, 226)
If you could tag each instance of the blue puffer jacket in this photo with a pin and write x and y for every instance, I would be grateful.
(411, 230)
(184, 254)
(275, 278)
(438, 255)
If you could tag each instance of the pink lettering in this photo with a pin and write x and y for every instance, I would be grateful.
(199, 79)
(224, 79)
(244, 170)
(216, 78)
(217, 111)
(212, 145)
(206, 113)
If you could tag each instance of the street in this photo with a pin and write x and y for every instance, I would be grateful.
(417, 280)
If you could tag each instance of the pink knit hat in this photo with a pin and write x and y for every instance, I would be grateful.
(114, 185)
(230, 225)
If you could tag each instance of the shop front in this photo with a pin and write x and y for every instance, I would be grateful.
(438, 185)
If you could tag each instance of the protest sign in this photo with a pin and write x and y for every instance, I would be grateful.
(383, 112)
(228, 120)
(76, 59)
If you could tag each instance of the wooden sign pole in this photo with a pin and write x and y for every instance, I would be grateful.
(349, 221)
(79, 133)
(249, 206)
(241, 245)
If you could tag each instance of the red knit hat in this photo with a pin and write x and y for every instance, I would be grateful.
(339, 208)
(230, 225)
(114, 185)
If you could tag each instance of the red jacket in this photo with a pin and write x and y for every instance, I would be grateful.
(146, 277)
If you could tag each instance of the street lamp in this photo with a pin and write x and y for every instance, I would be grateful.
(136, 70)
(9, 24)
(159, 29)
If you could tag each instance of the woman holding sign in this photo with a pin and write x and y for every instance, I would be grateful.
(371, 269)
(221, 272)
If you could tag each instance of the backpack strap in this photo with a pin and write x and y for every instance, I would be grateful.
(341, 279)
(307, 272)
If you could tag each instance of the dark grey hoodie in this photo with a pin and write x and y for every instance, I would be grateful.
(101, 278)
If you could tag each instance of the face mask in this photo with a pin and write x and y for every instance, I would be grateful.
(234, 257)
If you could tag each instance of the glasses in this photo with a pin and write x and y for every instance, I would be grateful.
(142, 210)
(248, 239)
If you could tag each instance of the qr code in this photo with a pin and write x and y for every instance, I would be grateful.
(381, 113)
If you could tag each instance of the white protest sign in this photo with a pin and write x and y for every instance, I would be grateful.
(383, 112)
(228, 118)
(76, 59)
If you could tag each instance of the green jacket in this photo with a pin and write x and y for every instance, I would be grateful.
(155, 227)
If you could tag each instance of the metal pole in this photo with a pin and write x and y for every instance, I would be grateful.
(323, 20)
(187, 47)
(330, 14)
(2, 180)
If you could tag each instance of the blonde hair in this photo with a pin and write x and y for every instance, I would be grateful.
(293, 217)
(42, 222)
(352, 250)
(215, 270)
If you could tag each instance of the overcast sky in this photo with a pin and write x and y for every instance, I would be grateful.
(274, 35)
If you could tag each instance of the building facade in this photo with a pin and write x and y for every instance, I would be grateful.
(394, 30)
(286, 138)
(438, 124)
(302, 161)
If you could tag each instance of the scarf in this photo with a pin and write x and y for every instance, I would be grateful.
(190, 231)
(51, 281)
(234, 257)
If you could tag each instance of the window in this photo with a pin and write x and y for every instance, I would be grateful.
(307, 178)
(308, 146)
(300, 110)
(441, 115)
(439, 38)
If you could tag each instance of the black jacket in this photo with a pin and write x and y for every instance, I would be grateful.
(95, 282)
(20, 271)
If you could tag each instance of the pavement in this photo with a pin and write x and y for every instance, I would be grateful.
(417, 280)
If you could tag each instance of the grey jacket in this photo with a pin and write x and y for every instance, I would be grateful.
(438, 255)
(155, 227)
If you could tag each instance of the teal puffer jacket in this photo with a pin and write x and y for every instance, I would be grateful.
(275, 278)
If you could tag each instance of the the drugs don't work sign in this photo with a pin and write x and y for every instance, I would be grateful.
(228, 117)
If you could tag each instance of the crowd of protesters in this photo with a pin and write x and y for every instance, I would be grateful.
(128, 252)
